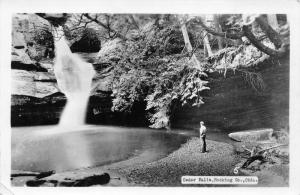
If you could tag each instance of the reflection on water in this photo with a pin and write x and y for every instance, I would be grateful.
(34, 151)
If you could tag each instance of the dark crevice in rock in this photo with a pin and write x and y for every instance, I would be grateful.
(29, 67)
(19, 47)
(28, 111)
(45, 80)
(89, 42)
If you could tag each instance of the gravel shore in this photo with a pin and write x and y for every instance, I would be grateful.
(188, 160)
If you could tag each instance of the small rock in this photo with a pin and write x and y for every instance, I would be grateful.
(253, 135)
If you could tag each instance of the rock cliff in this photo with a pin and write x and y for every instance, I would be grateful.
(231, 104)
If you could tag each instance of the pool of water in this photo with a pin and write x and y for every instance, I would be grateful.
(44, 148)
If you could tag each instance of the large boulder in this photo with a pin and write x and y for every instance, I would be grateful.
(56, 19)
(18, 40)
(30, 83)
(252, 135)
(19, 55)
(28, 34)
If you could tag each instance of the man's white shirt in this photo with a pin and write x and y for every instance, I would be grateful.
(202, 130)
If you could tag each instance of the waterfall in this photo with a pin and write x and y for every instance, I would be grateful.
(74, 79)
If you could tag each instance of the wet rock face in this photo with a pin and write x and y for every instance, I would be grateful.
(232, 104)
(29, 78)
(28, 110)
(88, 42)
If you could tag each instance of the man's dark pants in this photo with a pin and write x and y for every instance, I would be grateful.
(203, 143)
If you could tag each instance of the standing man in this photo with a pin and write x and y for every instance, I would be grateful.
(202, 132)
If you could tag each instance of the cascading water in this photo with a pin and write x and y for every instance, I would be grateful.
(74, 78)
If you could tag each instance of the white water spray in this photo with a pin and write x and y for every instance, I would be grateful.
(74, 79)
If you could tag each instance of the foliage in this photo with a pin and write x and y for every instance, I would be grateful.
(41, 41)
(235, 57)
(148, 62)
(43, 36)
(240, 58)
(163, 84)
(151, 70)
(178, 83)
(146, 73)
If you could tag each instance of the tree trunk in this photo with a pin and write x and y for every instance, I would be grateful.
(272, 20)
(186, 38)
(252, 159)
(188, 45)
(218, 29)
(133, 21)
(204, 51)
(206, 43)
(206, 40)
(221, 34)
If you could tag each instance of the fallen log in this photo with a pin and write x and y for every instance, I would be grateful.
(252, 159)
(256, 154)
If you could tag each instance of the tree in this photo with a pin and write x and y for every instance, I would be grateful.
(272, 20)
(106, 26)
(218, 29)
(188, 44)
(246, 31)
(206, 41)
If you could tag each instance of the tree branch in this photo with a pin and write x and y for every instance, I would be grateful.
(221, 34)
(105, 26)
(133, 21)
(260, 151)
(247, 33)
(271, 52)
(270, 32)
